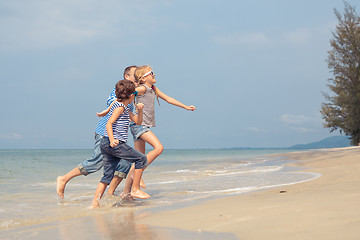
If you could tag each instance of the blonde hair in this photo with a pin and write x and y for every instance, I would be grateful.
(139, 72)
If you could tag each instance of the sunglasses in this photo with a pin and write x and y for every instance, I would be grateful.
(135, 93)
(149, 73)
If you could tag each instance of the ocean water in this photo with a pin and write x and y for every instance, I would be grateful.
(28, 181)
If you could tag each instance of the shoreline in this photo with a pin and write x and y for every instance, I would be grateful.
(323, 208)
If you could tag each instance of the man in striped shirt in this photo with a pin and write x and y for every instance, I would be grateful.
(95, 163)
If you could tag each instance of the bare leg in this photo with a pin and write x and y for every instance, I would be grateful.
(142, 184)
(61, 181)
(148, 137)
(129, 181)
(98, 194)
(151, 139)
(140, 146)
(127, 188)
(136, 192)
(114, 183)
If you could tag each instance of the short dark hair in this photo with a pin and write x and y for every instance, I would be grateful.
(127, 70)
(123, 89)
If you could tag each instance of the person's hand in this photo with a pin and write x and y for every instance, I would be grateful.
(139, 106)
(106, 111)
(101, 114)
(114, 143)
(190, 108)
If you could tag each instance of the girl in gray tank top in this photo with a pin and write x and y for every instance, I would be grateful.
(149, 107)
(142, 133)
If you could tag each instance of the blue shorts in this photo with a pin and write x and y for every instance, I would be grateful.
(113, 155)
(95, 163)
(138, 130)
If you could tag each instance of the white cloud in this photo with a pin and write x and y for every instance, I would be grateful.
(38, 24)
(300, 123)
(303, 35)
(303, 129)
(253, 129)
(298, 36)
(255, 38)
(43, 24)
(294, 119)
(10, 136)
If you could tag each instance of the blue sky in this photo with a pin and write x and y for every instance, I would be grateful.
(255, 70)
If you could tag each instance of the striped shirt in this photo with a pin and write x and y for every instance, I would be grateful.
(101, 127)
(121, 126)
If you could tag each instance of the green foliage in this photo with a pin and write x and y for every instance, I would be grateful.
(342, 111)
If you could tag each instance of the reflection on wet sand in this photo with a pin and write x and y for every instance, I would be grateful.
(120, 226)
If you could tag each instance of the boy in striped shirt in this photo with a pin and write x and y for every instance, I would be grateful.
(113, 144)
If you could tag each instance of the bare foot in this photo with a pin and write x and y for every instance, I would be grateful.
(109, 193)
(126, 197)
(60, 186)
(95, 204)
(140, 194)
(142, 184)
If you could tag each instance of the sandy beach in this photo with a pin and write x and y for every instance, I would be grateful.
(325, 208)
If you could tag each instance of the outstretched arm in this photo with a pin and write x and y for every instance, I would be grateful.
(141, 90)
(106, 111)
(110, 101)
(173, 101)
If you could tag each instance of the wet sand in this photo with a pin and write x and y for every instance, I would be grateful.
(325, 208)
(106, 226)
